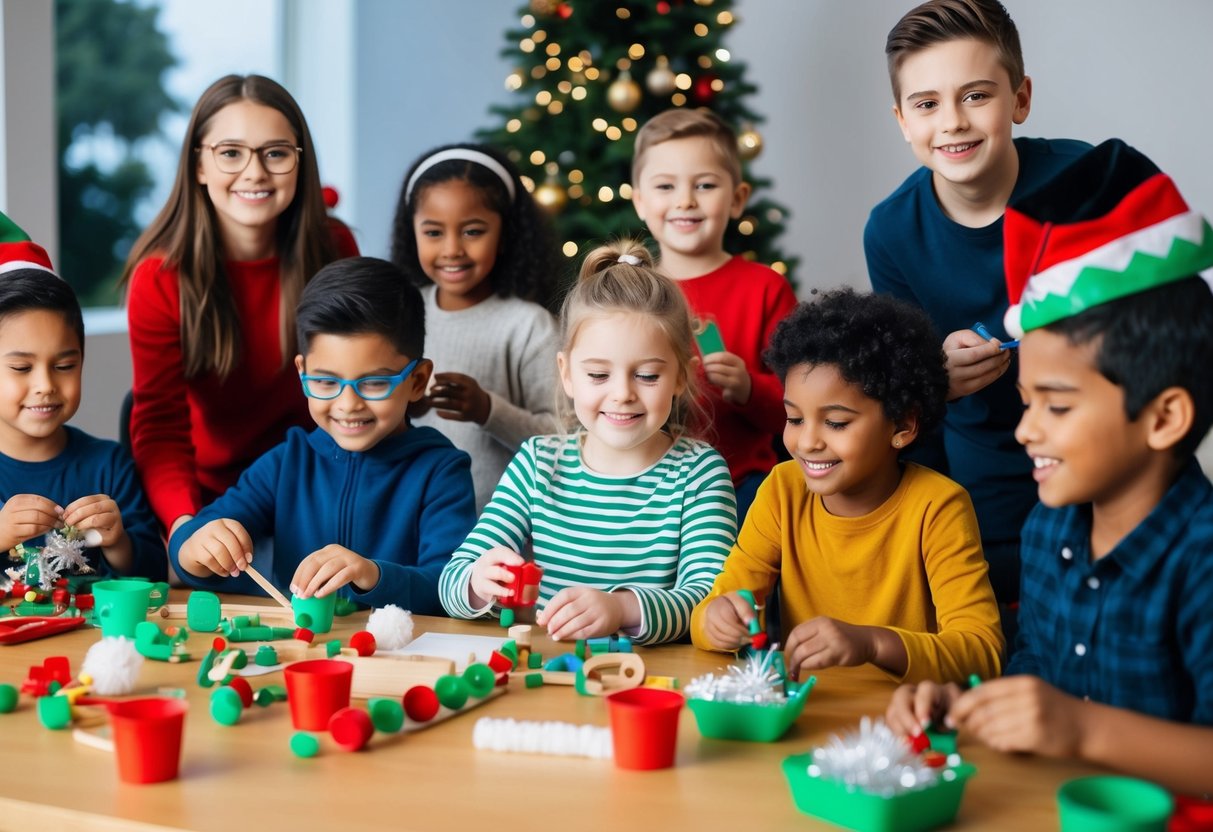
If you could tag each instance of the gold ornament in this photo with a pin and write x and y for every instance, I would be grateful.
(749, 143)
(661, 79)
(551, 196)
(624, 94)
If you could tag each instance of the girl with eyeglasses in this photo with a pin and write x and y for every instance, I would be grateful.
(471, 237)
(212, 286)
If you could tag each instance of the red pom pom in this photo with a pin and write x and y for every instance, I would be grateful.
(351, 728)
(242, 687)
(331, 197)
(421, 703)
(363, 642)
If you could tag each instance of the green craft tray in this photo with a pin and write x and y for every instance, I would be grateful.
(914, 811)
(737, 721)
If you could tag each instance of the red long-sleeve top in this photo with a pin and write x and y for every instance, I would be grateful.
(191, 438)
(747, 300)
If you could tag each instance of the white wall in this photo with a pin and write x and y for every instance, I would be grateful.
(424, 73)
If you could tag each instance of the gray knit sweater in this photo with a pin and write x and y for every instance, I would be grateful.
(509, 346)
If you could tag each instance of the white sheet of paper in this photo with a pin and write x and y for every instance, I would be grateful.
(452, 646)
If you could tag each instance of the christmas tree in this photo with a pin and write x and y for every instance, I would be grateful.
(589, 73)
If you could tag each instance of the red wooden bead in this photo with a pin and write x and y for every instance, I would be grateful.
(351, 728)
(421, 703)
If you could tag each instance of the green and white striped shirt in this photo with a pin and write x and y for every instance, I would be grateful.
(662, 533)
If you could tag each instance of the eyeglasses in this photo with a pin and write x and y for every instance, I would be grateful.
(371, 388)
(231, 157)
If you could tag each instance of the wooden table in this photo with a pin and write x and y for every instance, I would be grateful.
(245, 777)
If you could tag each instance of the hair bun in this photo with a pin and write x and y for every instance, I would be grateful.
(625, 251)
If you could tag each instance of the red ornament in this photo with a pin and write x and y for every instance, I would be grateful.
(565, 10)
(702, 92)
(663, 7)
(331, 197)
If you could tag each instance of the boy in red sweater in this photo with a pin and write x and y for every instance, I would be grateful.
(686, 186)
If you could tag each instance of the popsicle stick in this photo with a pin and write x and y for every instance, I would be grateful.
(268, 587)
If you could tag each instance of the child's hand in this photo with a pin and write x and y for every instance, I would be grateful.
(726, 621)
(490, 579)
(459, 397)
(728, 372)
(581, 612)
(914, 706)
(25, 516)
(96, 512)
(327, 570)
(973, 362)
(826, 642)
(222, 547)
(1021, 713)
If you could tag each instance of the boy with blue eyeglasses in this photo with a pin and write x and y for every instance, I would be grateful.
(366, 501)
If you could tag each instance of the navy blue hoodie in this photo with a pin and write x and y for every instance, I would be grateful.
(406, 503)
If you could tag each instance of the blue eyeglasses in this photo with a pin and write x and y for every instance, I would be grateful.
(371, 388)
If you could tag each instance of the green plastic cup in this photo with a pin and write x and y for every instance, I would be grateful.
(121, 606)
(1113, 804)
(315, 613)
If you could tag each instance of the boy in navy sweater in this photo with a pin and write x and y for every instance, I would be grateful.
(959, 88)
(366, 503)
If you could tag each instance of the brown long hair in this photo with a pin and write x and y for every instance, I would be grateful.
(186, 234)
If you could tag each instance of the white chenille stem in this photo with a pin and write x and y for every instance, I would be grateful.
(560, 738)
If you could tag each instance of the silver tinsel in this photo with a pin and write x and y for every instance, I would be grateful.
(757, 682)
(873, 759)
(63, 554)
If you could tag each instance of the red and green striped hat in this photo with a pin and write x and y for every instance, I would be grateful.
(17, 251)
(1109, 225)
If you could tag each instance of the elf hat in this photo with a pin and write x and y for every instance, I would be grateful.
(17, 251)
(1109, 225)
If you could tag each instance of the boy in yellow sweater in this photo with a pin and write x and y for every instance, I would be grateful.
(879, 561)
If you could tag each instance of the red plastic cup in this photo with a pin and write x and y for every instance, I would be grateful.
(147, 738)
(316, 690)
(644, 727)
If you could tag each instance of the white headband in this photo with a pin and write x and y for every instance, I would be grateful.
(466, 155)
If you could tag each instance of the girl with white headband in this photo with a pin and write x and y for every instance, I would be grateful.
(470, 236)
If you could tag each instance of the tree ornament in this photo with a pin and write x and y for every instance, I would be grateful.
(624, 94)
(564, 10)
(544, 7)
(661, 79)
(749, 143)
(551, 196)
(663, 7)
(702, 91)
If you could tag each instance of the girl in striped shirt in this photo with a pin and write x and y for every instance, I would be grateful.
(629, 517)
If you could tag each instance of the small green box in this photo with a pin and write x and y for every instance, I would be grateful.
(912, 811)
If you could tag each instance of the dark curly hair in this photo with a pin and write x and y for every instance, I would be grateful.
(886, 346)
(527, 264)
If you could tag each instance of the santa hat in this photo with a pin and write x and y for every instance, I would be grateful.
(17, 251)
(1108, 225)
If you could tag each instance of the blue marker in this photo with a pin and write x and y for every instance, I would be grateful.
(981, 330)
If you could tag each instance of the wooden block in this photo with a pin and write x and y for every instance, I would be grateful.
(521, 634)
(391, 676)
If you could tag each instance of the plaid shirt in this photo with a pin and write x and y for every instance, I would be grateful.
(1135, 628)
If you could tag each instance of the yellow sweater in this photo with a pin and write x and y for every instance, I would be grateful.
(914, 565)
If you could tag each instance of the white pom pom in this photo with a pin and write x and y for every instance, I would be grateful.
(114, 664)
(391, 626)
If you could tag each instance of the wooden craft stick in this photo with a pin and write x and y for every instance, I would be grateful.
(268, 587)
